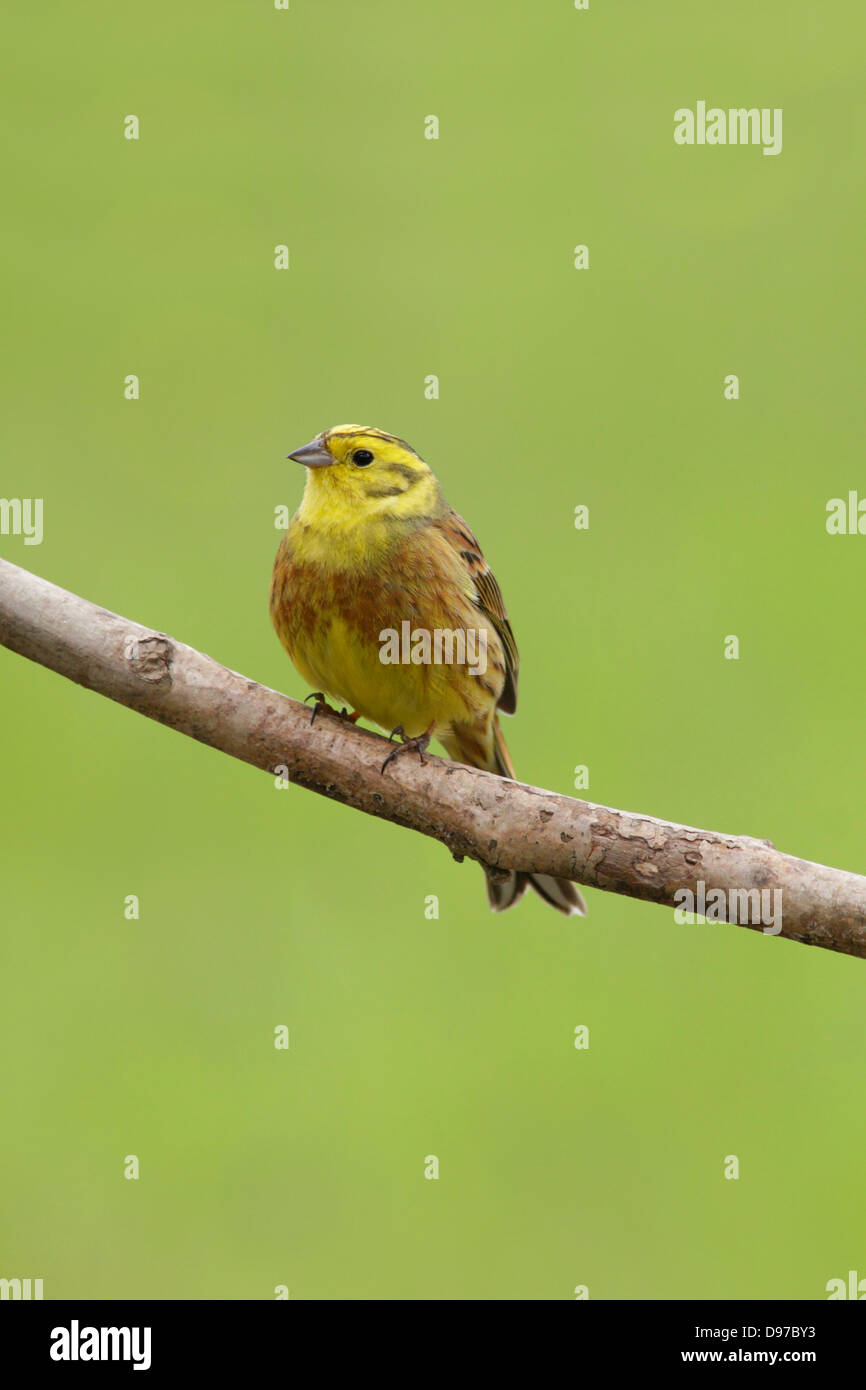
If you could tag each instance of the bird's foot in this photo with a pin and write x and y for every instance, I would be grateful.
(408, 745)
(322, 704)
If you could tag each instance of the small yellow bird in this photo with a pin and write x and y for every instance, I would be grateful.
(382, 598)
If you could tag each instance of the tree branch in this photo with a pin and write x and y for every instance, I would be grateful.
(504, 824)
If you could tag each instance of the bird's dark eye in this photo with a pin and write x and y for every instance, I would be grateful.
(362, 457)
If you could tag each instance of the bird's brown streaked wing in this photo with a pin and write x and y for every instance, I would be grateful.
(489, 599)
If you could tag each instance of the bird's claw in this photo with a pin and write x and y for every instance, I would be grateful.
(408, 745)
(321, 703)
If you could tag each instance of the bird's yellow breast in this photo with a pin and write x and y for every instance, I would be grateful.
(336, 606)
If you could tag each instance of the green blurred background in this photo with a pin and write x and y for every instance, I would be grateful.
(412, 257)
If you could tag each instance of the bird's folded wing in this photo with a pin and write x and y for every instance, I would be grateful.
(488, 599)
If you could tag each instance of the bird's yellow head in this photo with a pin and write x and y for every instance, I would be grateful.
(356, 472)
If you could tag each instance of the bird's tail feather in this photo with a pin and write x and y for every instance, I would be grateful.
(561, 893)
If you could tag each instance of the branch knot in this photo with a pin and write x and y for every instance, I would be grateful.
(150, 658)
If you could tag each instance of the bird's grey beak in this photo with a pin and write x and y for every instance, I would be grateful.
(313, 455)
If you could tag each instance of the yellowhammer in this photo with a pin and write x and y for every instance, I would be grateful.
(383, 600)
